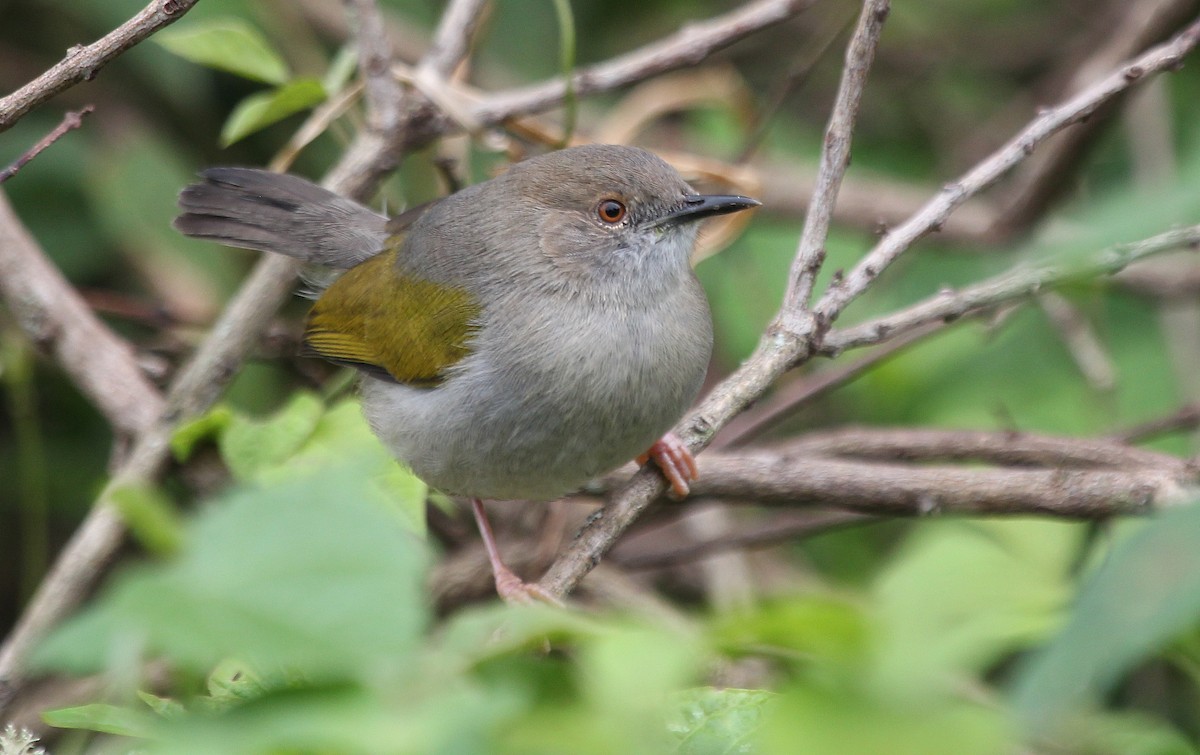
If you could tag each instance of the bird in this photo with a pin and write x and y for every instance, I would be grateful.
(516, 338)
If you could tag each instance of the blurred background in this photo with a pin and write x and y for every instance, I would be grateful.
(952, 81)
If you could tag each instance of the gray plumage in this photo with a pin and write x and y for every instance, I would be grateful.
(592, 338)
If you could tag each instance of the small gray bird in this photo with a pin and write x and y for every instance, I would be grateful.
(516, 338)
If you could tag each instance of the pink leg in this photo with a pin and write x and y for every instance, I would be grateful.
(508, 585)
(678, 465)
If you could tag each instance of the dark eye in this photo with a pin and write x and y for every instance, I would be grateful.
(611, 211)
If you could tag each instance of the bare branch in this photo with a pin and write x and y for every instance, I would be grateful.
(788, 399)
(70, 121)
(835, 157)
(452, 41)
(949, 304)
(786, 527)
(1040, 179)
(53, 315)
(84, 62)
(783, 348)
(1002, 448)
(899, 490)
(689, 46)
(1074, 110)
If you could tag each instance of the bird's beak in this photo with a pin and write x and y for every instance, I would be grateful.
(700, 206)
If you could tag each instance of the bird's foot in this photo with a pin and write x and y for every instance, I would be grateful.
(675, 460)
(513, 590)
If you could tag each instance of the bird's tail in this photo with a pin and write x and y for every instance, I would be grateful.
(275, 212)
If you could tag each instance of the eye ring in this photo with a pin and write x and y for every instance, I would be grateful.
(611, 211)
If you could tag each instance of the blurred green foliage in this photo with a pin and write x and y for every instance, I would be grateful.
(291, 613)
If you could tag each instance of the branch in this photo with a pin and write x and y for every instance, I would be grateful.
(1004, 448)
(949, 305)
(777, 352)
(1049, 122)
(84, 62)
(198, 384)
(787, 526)
(70, 121)
(452, 41)
(53, 316)
(898, 490)
(782, 348)
(835, 157)
(692, 44)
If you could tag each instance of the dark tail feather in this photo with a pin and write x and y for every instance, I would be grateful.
(274, 212)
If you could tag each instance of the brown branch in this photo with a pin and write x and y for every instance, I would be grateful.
(1001, 448)
(1184, 419)
(1041, 178)
(835, 156)
(1050, 121)
(83, 62)
(787, 400)
(692, 44)
(784, 347)
(452, 41)
(70, 121)
(900, 490)
(778, 351)
(1015, 284)
(786, 527)
(198, 384)
(54, 316)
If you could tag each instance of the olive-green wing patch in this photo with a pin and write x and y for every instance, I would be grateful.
(389, 325)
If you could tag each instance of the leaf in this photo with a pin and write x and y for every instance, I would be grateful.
(189, 434)
(251, 447)
(963, 594)
(718, 721)
(110, 719)
(151, 518)
(305, 578)
(227, 44)
(1147, 592)
(261, 110)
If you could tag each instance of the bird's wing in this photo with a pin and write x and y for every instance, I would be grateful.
(390, 325)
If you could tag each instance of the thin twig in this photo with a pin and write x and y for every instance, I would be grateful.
(1077, 108)
(788, 526)
(452, 41)
(70, 121)
(1184, 419)
(835, 157)
(693, 43)
(83, 62)
(1015, 284)
(787, 400)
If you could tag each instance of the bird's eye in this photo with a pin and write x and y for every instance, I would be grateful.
(611, 211)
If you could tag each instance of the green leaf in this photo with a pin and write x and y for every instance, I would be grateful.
(110, 719)
(305, 578)
(227, 44)
(712, 721)
(191, 433)
(151, 518)
(252, 447)
(344, 63)
(1147, 592)
(261, 110)
(163, 706)
(964, 594)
